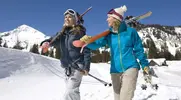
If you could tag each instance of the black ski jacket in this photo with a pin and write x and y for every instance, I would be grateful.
(68, 52)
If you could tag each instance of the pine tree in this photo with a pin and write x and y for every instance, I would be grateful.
(57, 53)
(34, 49)
(0, 42)
(152, 50)
(51, 53)
(105, 56)
(5, 45)
(165, 52)
(17, 46)
(178, 55)
(168, 55)
(96, 56)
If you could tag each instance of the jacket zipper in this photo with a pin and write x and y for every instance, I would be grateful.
(67, 37)
(119, 42)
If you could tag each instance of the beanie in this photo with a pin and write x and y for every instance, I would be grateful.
(118, 13)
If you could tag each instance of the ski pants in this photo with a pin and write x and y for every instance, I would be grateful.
(72, 85)
(124, 84)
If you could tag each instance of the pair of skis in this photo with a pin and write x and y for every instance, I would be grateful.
(148, 80)
(78, 43)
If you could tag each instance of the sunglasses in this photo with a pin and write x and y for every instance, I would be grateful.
(112, 11)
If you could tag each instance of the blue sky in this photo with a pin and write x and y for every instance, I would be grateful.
(47, 15)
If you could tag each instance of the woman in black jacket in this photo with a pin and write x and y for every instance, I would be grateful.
(71, 58)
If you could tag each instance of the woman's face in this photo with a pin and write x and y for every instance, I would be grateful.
(110, 21)
(69, 20)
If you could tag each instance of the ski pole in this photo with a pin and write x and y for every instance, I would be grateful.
(79, 69)
(104, 82)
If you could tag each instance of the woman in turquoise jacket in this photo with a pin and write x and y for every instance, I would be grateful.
(126, 49)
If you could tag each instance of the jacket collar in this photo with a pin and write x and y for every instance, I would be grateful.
(122, 27)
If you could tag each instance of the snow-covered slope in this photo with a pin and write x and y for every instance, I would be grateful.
(28, 76)
(163, 37)
(24, 35)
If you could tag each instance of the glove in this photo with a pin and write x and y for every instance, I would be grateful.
(146, 70)
(146, 73)
(85, 38)
(84, 72)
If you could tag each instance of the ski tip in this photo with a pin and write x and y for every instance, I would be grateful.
(149, 13)
(90, 7)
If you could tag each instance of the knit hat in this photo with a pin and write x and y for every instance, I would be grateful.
(118, 13)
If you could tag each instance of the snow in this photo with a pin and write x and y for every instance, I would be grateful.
(25, 35)
(28, 76)
(165, 38)
(178, 30)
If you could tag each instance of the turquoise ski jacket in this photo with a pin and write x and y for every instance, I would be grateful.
(125, 48)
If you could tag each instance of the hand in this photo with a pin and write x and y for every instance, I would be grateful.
(146, 73)
(84, 72)
(146, 70)
(85, 38)
(45, 46)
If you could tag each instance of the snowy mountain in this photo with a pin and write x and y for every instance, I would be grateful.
(159, 41)
(28, 76)
(24, 35)
(164, 37)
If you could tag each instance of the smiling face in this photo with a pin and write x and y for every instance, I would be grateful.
(69, 20)
(111, 20)
(113, 23)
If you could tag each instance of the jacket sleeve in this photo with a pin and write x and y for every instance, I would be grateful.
(138, 49)
(86, 54)
(98, 43)
(54, 43)
(87, 58)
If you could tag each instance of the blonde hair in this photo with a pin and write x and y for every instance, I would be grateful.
(116, 25)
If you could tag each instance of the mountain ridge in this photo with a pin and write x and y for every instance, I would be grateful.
(157, 39)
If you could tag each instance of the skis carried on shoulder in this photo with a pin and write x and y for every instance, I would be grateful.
(78, 18)
(137, 18)
(78, 43)
(45, 48)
